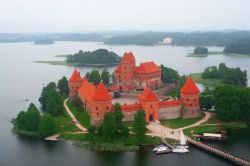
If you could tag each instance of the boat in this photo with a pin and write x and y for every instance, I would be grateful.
(182, 147)
(157, 147)
(163, 150)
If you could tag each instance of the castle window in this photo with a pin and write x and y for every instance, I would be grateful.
(190, 104)
(97, 113)
(151, 106)
(96, 108)
(187, 99)
(107, 108)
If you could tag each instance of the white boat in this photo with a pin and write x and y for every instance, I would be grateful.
(162, 150)
(157, 147)
(182, 148)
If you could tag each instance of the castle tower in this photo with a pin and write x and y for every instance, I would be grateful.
(100, 104)
(74, 83)
(190, 99)
(127, 67)
(149, 104)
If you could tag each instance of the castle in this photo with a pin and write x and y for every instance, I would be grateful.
(97, 100)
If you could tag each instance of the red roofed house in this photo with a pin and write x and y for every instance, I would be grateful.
(130, 77)
(97, 100)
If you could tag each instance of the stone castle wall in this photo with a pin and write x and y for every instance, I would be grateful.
(170, 112)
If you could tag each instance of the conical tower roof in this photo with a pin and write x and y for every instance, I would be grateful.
(75, 76)
(101, 93)
(128, 56)
(190, 87)
(147, 95)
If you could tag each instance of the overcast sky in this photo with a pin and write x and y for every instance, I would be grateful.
(108, 15)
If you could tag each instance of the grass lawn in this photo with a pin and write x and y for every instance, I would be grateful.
(209, 81)
(80, 114)
(179, 122)
(202, 129)
(64, 124)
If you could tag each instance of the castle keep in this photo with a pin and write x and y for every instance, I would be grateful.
(97, 99)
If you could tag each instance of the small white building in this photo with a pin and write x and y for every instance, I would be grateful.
(167, 40)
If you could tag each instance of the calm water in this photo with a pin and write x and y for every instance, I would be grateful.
(21, 79)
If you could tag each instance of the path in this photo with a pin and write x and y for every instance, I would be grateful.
(159, 130)
(73, 118)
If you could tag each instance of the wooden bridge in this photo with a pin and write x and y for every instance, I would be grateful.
(235, 159)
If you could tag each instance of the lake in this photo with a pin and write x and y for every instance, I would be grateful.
(22, 79)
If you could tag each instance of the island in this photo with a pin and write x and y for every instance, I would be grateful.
(93, 111)
(44, 41)
(99, 57)
(203, 52)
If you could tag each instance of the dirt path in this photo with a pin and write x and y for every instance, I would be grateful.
(73, 118)
(159, 130)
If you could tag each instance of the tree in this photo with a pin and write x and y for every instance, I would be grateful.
(207, 99)
(32, 118)
(139, 125)
(95, 77)
(47, 125)
(87, 75)
(51, 100)
(169, 75)
(232, 103)
(105, 76)
(20, 121)
(63, 87)
(200, 50)
(109, 129)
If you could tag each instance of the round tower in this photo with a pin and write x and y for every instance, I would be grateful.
(190, 99)
(74, 83)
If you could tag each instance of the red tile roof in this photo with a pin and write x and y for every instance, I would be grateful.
(128, 56)
(147, 67)
(101, 93)
(86, 90)
(147, 95)
(190, 87)
(75, 77)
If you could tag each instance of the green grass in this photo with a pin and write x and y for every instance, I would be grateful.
(180, 122)
(209, 81)
(64, 124)
(80, 114)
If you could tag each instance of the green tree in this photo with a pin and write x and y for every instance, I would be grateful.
(207, 99)
(139, 125)
(47, 125)
(20, 121)
(95, 77)
(87, 75)
(32, 118)
(105, 76)
(169, 75)
(109, 129)
(63, 87)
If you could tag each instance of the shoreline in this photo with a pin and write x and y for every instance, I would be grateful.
(64, 63)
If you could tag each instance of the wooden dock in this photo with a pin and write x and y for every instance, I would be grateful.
(53, 137)
(226, 155)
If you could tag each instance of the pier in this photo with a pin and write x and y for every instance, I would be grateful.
(226, 155)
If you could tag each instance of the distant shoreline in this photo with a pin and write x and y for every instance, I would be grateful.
(64, 63)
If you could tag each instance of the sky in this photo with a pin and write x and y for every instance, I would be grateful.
(24, 16)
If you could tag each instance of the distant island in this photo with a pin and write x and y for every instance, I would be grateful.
(44, 41)
(99, 57)
(202, 52)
